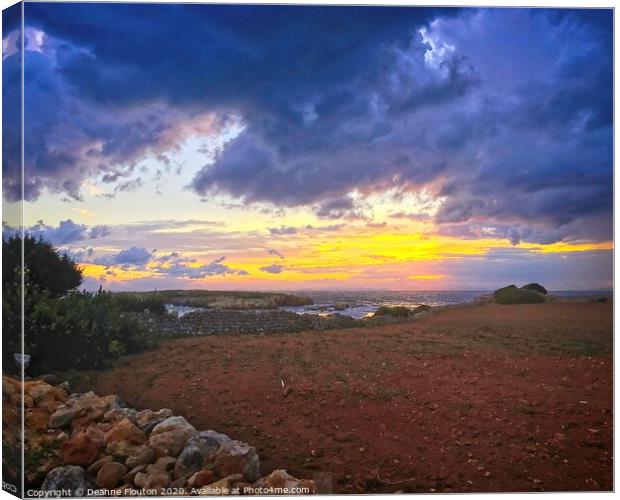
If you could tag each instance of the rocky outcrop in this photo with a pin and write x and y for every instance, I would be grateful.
(84, 442)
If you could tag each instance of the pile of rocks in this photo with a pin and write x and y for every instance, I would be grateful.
(93, 445)
(218, 322)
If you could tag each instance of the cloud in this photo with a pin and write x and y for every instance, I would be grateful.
(272, 269)
(133, 256)
(283, 230)
(272, 251)
(214, 268)
(507, 113)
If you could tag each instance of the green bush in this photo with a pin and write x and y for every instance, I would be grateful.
(535, 287)
(396, 311)
(82, 331)
(513, 295)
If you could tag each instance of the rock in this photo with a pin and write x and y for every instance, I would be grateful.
(169, 436)
(222, 487)
(513, 295)
(95, 466)
(535, 287)
(124, 430)
(120, 449)
(119, 414)
(236, 456)
(46, 396)
(197, 451)
(69, 477)
(281, 482)
(164, 464)
(149, 418)
(152, 481)
(86, 405)
(110, 475)
(36, 419)
(83, 448)
(130, 476)
(201, 478)
(139, 455)
(49, 378)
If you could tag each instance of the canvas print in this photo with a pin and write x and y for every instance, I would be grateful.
(300, 249)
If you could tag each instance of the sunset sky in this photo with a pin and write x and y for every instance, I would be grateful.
(265, 147)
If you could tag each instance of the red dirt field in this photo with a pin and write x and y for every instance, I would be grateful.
(480, 398)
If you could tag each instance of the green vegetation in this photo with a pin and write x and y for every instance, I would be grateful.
(513, 295)
(138, 301)
(535, 287)
(421, 309)
(401, 311)
(63, 328)
(396, 311)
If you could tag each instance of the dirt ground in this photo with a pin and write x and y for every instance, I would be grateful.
(480, 398)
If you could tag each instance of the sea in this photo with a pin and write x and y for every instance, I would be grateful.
(362, 304)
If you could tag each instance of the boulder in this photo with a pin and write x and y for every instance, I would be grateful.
(110, 475)
(164, 464)
(169, 436)
(223, 486)
(69, 477)
(86, 405)
(513, 295)
(95, 466)
(198, 451)
(47, 397)
(147, 419)
(119, 414)
(159, 479)
(36, 419)
(83, 448)
(124, 430)
(139, 455)
(281, 482)
(130, 476)
(120, 449)
(535, 287)
(236, 456)
(201, 478)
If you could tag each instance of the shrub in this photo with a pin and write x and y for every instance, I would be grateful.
(396, 311)
(63, 328)
(420, 309)
(138, 302)
(535, 287)
(513, 295)
(81, 331)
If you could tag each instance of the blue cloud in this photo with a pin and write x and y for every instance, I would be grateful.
(272, 269)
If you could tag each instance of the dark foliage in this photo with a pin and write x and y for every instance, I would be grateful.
(63, 328)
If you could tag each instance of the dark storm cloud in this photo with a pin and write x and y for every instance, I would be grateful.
(505, 112)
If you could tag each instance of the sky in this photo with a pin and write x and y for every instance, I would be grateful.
(289, 148)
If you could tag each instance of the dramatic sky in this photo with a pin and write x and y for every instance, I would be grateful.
(266, 147)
